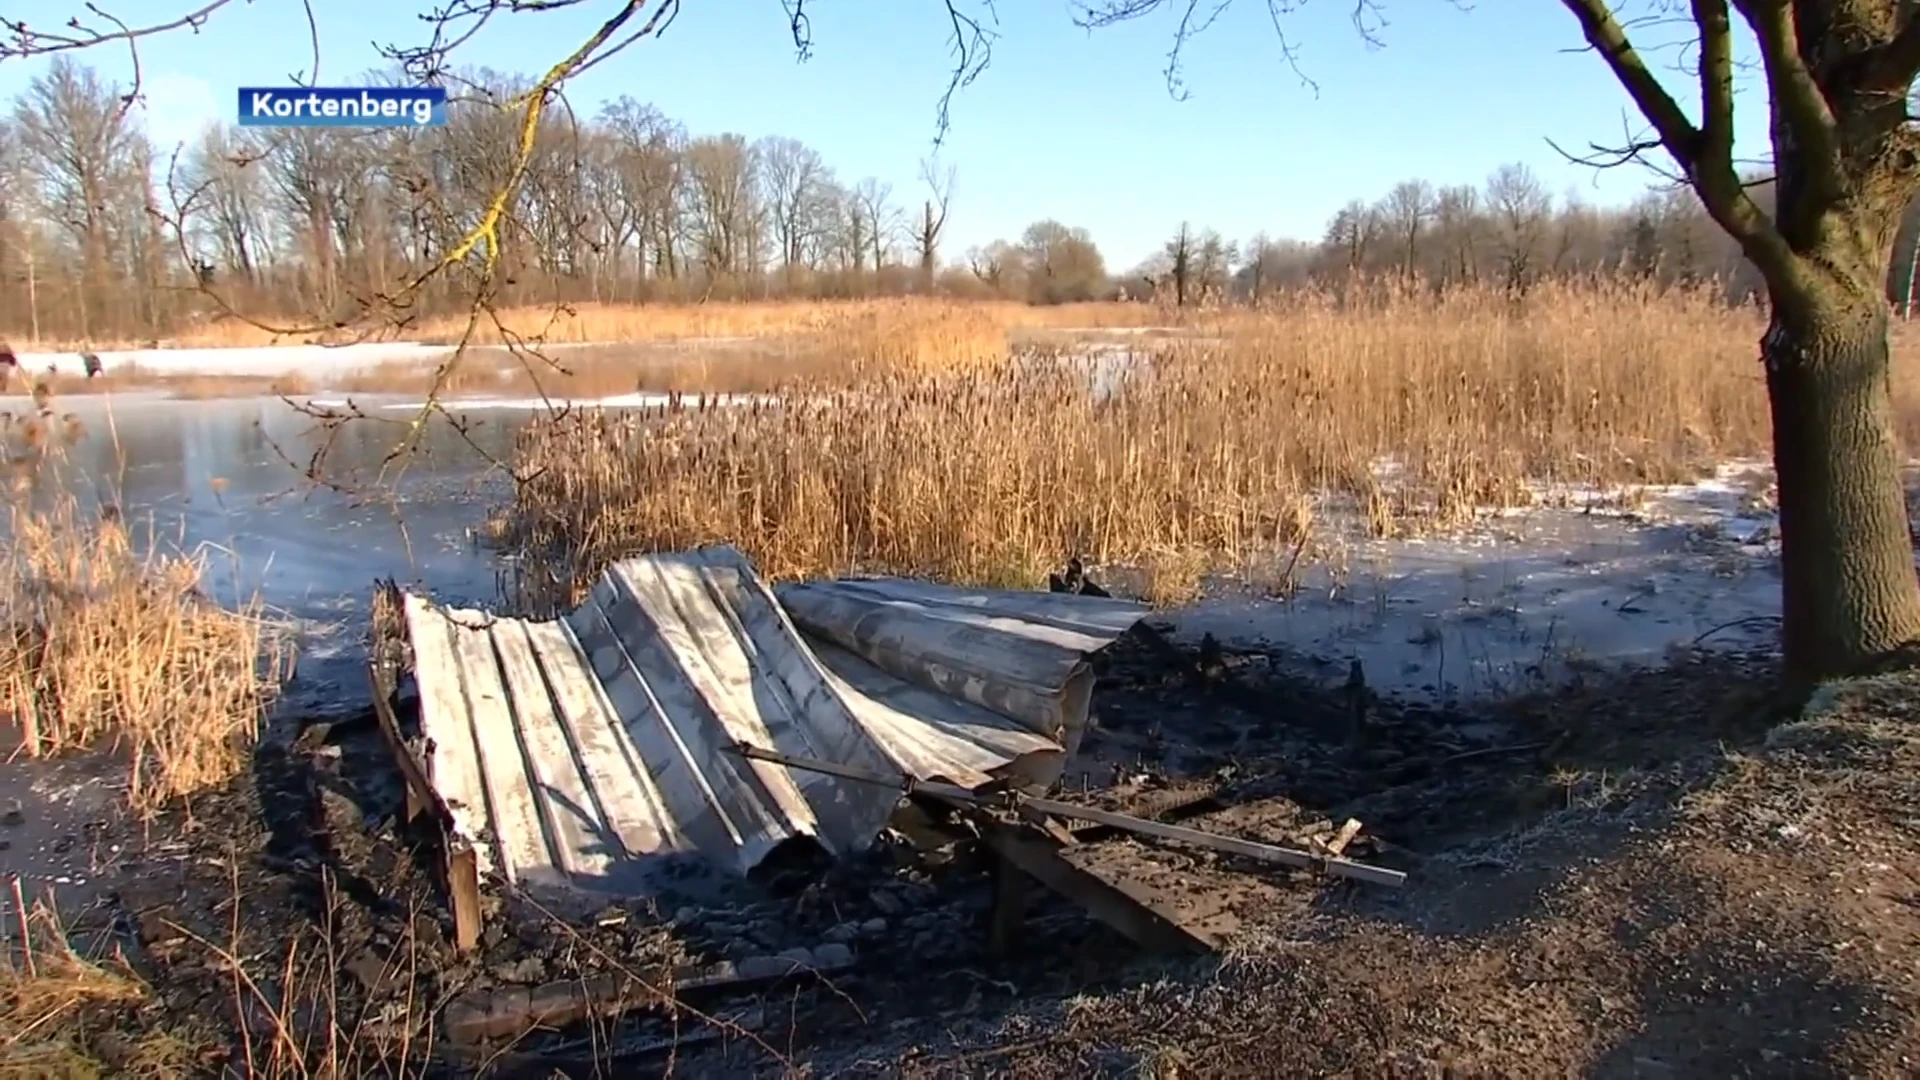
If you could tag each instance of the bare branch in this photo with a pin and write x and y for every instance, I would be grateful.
(970, 41)
(1797, 95)
(1706, 157)
(23, 41)
(1716, 82)
(1609, 39)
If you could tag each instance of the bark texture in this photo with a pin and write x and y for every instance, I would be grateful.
(1850, 597)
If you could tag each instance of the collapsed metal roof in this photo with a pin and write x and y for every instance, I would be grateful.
(589, 751)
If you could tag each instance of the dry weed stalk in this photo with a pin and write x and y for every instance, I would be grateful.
(44, 985)
(104, 643)
(1415, 408)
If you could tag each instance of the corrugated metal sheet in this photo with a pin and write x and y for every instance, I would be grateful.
(587, 751)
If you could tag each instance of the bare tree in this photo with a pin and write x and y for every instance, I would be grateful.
(933, 218)
(1180, 257)
(1521, 208)
(1846, 154)
(791, 175)
(78, 144)
(1212, 265)
(720, 171)
(879, 219)
(1408, 208)
(1352, 232)
(1061, 264)
(228, 182)
(1457, 228)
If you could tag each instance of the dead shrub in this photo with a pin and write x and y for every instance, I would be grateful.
(104, 644)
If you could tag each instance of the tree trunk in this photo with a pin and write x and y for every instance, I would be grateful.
(1849, 592)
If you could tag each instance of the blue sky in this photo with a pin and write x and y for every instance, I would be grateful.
(1066, 124)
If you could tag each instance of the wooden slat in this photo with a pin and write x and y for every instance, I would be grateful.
(523, 851)
(453, 761)
(627, 796)
(581, 842)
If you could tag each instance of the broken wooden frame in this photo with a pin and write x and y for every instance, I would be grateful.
(1335, 866)
(1027, 835)
(459, 863)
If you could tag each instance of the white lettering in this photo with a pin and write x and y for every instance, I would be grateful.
(372, 105)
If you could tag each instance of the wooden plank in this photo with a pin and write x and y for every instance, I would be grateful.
(453, 760)
(1338, 845)
(463, 894)
(1232, 845)
(1121, 904)
(582, 843)
(628, 799)
(479, 1016)
(420, 794)
(963, 797)
(523, 851)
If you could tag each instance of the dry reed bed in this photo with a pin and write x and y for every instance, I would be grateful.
(105, 645)
(1212, 453)
(843, 348)
(626, 323)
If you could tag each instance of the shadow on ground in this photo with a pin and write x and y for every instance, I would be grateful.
(1677, 889)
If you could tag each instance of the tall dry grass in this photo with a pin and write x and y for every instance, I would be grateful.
(107, 642)
(629, 323)
(1220, 449)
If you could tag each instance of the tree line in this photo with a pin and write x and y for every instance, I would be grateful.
(104, 234)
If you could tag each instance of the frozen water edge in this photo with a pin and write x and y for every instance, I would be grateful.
(643, 400)
(1526, 600)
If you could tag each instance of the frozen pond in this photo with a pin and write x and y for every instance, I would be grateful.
(216, 477)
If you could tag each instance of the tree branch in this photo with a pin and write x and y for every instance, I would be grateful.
(1609, 39)
(1797, 96)
(76, 35)
(1891, 68)
(1705, 156)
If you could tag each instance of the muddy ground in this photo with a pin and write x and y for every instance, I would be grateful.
(1646, 876)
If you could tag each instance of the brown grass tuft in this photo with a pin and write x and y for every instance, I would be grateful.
(1411, 410)
(102, 644)
(44, 985)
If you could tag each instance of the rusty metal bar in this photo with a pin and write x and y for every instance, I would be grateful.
(1269, 853)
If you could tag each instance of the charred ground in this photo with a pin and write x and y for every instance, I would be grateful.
(1650, 875)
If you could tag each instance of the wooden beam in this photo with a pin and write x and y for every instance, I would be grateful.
(1141, 913)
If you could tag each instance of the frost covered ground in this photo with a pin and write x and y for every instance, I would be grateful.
(1584, 581)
